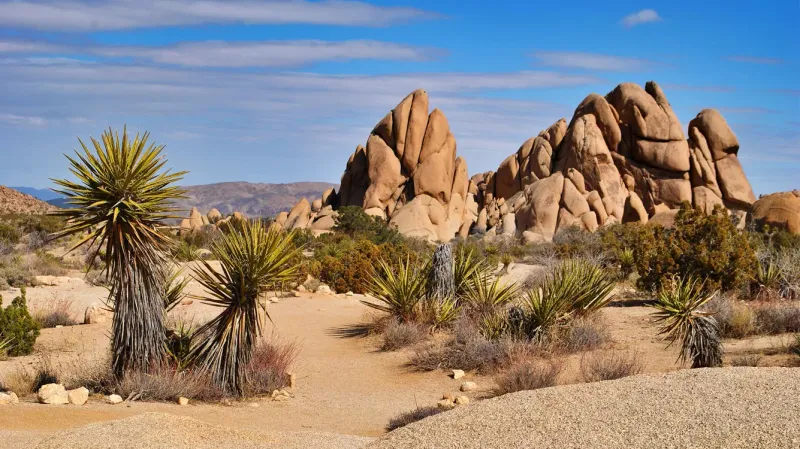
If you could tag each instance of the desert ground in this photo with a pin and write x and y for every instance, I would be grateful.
(347, 389)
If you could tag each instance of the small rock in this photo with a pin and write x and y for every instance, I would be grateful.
(254, 404)
(444, 403)
(53, 394)
(457, 374)
(449, 396)
(349, 293)
(78, 396)
(291, 379)
(187, 302)
(8, 398)
(469, 386)
(301, 288)
(462, 400)
(59, 326)
(324, 289)
(296, 294)
(114, 399)
(274, 300)
(183, 401)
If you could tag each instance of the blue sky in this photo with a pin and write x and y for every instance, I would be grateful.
(282, 91)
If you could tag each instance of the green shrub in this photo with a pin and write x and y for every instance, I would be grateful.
(9, 233)
(353, 221)
(17, 327)
(706, 246)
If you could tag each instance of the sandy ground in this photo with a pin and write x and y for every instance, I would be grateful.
(345, 386)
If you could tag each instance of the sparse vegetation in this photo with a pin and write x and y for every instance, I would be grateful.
(413, 416)
(746, 360)
(528, 375)
(398, 335)
(610, 365)
(55, 312)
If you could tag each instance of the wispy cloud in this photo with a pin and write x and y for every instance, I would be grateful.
(591, 61)
(23, 46)
(88, 15)
(755, 60)
(640, 17)
(25, 120)
(270, 53)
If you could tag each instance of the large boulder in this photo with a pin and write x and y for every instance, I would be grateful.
(733, 183)
(719, 136)
(779, 210)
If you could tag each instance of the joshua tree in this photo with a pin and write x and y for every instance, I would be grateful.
(254, 259)
(680, 312)
(120, 198)
(442, 283)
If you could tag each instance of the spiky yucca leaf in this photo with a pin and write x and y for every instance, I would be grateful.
(120, 198)
(679, 310)
(489, 294)
(574, 288)
(401, 293)
(768, 277)
(469, 270)
(174, 289)
(253, 259)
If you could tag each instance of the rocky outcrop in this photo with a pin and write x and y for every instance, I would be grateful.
(622, 158)
(779, 210)
(408, 174)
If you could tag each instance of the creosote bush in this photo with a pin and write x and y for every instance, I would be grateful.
(610, 365)
(528, 375)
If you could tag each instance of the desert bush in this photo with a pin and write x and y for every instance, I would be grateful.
(735, 318)
(794, 347)
(582, 334)
(707, 246)
(9, 233)
(201, 238)
(528, 375)
(353, 221)
(777, 318)
(679, 308)
(413, 416)
(746, 360)
(788, 262)
(486, 296)
(185, 252)
(166, 383)
(55, 312)
(97, 278)
(574, 242)
(610, 365)
(767, 283)
(15, 272)
(17, 327)
(401, 335)
(268, 367)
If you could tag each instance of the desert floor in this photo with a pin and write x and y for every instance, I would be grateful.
(345, 385)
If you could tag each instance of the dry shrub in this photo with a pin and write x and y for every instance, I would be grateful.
(610, 365)
(778, 318)
(401, 335)
(746, 360)
(528, 375)
(24, 381)
(735, 318)
(54, 312)
(267, 370)
(415, 415)
(165, 383)
(583, 334)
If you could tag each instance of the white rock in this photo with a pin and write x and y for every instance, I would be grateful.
(349, 293)
(324, 289)
(114, 399)
(8, 398)
(54, 394)
(469, 386)
(457, 374)
(274, 300)
(183, 401)
(296, 294)
(78, 396)
(301, 288)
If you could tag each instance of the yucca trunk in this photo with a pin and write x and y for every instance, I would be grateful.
(442, 284)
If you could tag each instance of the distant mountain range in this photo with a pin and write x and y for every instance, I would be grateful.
(252, 199)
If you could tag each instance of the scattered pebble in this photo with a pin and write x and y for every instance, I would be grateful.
(114, 399)
(469, 386)
(462, 400)
(457, 374)
(183, 401)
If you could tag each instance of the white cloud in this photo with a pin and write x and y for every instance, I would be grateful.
(755, 60)
(269, 53)
(640, 17)
(591, 61)
(20, 46)
(25, 120)
(87, 15)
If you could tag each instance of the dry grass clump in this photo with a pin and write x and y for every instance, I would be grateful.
(415, 415)
(610, 365)
(746, 360)
(266, 371)
(165, 383)
(735, 318)
(528, 375)
(738, 319)
(583, 334)
(778, 317)
(401, 335)
(55, 312)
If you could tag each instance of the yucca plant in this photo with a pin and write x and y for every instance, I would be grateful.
(768, 278)
(254, 259)
(120, 199)
(400, 293)
(174, 289)
(488, 295)
(627, 262)
(469, 270)
(679, 310)
(573, 289)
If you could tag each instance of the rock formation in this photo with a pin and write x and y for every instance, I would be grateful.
(407, 174)
(196, 220)
(779, 210)
(621, 158)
